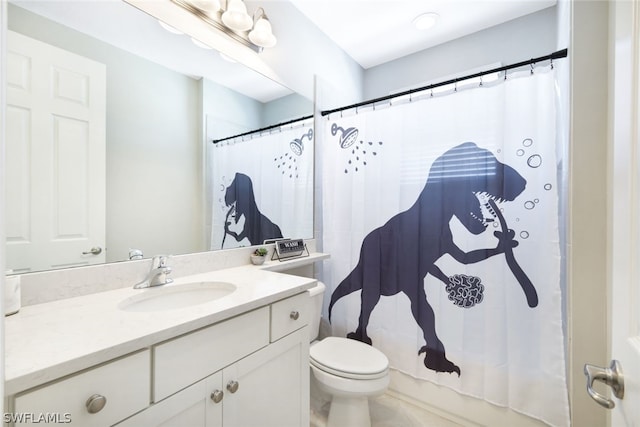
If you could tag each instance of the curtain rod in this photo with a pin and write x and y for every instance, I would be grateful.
(215, 141)
(559, 54)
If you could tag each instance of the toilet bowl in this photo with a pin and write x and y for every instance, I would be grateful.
(349, 371)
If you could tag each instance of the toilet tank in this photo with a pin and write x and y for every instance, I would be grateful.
(317, 296)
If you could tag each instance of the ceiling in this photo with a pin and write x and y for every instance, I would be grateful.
(373, 32)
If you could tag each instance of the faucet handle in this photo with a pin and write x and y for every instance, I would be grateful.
(162, 260)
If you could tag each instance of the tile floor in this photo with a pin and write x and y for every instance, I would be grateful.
(386, 411)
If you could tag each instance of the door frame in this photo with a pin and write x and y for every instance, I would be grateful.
(587, 315)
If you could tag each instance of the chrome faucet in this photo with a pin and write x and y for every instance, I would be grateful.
(158, 275)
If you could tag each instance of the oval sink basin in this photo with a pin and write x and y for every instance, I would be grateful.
(177, 296)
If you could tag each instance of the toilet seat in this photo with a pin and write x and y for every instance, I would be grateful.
(348, 358)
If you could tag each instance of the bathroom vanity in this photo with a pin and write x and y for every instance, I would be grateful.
(240, 359)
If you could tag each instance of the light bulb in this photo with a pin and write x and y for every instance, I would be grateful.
(208, 6)
(262, 35)
(236, 16)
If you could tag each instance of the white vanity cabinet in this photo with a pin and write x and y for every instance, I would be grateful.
(243, 361)
(255, 369)
(100, 396)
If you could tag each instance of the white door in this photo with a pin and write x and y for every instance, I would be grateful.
(624, 212)
(625, 266)
(55, 150)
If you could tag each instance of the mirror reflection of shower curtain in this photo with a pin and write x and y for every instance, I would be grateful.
(262, 186)
(424, 264)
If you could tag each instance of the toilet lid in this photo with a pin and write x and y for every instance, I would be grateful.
(349, 358)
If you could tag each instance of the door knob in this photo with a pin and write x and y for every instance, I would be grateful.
(611, 376)
(96, 250)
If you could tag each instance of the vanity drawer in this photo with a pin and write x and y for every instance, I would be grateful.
(185, 360)
(289, 315)
(123, 384)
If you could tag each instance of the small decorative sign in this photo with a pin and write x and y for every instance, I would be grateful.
(290, 248)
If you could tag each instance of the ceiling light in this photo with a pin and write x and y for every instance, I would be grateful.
(236, 16)
(262, 35)
(426, 21)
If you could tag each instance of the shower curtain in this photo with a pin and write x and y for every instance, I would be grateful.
(262, 186)
(441, 218)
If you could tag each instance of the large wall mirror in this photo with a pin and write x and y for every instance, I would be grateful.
(158, 185)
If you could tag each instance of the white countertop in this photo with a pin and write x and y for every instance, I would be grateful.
(47, 341)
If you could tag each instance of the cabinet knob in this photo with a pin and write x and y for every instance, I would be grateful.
(217, 396)
(232, 386)
(294, 315)
(95, 403)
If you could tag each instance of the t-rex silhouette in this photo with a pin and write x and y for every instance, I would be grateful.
(397, 256)
(257, 227)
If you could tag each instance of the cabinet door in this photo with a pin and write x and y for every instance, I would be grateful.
(271, 386)
(192, 407)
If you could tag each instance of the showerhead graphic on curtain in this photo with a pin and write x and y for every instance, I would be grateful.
(348, 138)
(244, 216)
(466, 182)
(288, 164)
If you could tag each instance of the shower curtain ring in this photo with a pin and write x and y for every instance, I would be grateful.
(531, 64)
(552, 63)
(431, 92)
(480, 80)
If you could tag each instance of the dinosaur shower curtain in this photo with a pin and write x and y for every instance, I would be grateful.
(442, 225)
(262, 187)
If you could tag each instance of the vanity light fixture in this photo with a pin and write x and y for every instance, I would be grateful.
(231, 17)
(261, 34)
(426, 21)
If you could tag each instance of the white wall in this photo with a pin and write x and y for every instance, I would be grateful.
(514, 41)
(303, 51)
(3, 38)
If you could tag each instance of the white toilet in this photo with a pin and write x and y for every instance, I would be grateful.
(348, 370)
